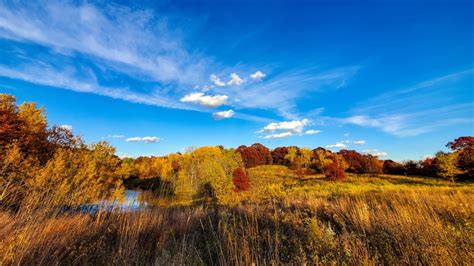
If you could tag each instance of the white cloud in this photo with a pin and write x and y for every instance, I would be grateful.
(217, 81)
(374, 152)
(235, 80)
(339, 145)
(359, 142)
(295, 126)
(116, 136)
(67, 127)
(223, 114)
(205, 100)
(258, 75)
(144, 139)
(278, 135)
(312, 131)
(346, 135)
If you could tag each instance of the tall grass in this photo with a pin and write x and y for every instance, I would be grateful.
(387, 227)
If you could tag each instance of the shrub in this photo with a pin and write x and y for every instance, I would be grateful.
(241, 180)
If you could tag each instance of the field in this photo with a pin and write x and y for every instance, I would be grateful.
(283, 218)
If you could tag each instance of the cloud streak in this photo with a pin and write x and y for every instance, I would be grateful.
(146, 139)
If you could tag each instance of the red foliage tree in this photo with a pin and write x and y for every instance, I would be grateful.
(461, 143)
(241, 180)
(353, 159)
(257, 154)
(278, 156)
(335, 170)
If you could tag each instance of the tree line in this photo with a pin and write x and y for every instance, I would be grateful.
(49, 165)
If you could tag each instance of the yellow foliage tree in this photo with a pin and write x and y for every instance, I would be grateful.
(207, 168)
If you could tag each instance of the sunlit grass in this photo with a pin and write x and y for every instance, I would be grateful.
(283, 219)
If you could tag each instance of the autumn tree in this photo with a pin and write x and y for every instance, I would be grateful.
(353, 159)
(393, 168)
(16, 168)
(255, 155)
(41, 165)
(26, 125)
(241, 180)
(335, 169)
(446, 165)
(320, 158)
(205, 167)
(278, 156)
(74, 177)
(371, 165)
(464, 146)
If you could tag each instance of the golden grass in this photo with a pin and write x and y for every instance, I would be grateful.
(363, 220)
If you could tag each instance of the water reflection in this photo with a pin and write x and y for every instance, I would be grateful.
(132, 200)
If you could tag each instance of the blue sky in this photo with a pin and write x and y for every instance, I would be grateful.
(391, 78)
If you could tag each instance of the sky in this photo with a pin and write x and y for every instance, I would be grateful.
(389, 78)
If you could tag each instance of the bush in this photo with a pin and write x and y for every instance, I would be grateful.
(241, 180)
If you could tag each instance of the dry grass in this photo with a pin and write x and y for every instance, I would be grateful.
(429, 224)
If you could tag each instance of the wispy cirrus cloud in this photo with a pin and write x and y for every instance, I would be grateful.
(124, 38)
(281, 91)
(217, 81)
(142, 45)
(408, 112)
(116, 136)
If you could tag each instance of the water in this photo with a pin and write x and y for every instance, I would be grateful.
(133, 200)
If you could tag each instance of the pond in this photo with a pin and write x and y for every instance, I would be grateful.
(132, 200)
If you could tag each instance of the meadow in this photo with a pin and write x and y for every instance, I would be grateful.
(363, 220)
(223, 206)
